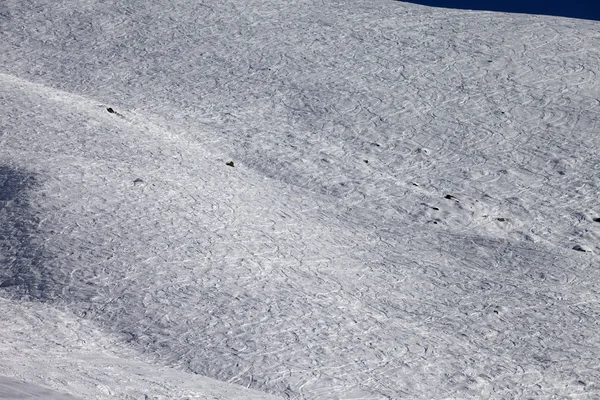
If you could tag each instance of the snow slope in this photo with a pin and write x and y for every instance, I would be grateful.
(49, 353)
(412, 211)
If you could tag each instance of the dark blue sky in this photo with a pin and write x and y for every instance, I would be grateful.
(585, 9)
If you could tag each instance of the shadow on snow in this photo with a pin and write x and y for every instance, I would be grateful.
(22, 271)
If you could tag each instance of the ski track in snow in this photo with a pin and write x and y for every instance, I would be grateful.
(408, 190)
(49, 352)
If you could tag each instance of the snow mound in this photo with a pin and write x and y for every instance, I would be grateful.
(347, 200)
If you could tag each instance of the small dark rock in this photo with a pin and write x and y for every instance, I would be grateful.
(435, 208)
(366, 161)
(596, 219)
(501, 219)
(579, 248)
(110, 110)
(230, 163)
(138, 180)
(450, 197)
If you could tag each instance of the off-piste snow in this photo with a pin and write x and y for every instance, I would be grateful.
(361, 199)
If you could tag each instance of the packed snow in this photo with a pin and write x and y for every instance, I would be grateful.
(362, 199)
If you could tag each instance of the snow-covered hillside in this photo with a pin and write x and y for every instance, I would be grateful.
(345, 200)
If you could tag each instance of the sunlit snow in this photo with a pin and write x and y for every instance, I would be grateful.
(360, 199)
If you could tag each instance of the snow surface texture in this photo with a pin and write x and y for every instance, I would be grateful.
(411, 212)
(42, 346)
(13, 389)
